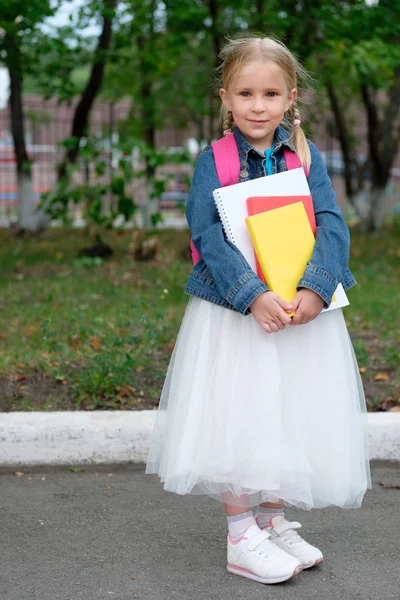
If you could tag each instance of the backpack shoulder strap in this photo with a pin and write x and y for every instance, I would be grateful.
(292, 161)
(227, 161)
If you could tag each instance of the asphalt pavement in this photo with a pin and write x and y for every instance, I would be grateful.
(111, 532)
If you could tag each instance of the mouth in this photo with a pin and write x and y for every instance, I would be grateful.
(257, 122)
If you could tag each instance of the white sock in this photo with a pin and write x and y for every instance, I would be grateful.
(265, 515)
(239, 524)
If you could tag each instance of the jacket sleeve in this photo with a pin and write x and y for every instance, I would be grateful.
(332, 245)
(233, 276)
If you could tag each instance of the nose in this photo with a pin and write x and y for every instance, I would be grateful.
(258, 104)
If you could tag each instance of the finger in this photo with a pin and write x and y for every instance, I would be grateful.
(304, 319)
(308, 318)
(296, 320)
(282, 318)
(283, 304)
(296, 301)
(273, 326)
(266, 328)
(274, 321)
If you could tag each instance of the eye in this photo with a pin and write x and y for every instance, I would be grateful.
(271, 94)
(244, 94)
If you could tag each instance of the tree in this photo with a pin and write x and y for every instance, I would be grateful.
(81, 117)
(354, 49)
(376, 63)
(17, 24)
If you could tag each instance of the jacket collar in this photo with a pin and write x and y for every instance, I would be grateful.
(281, 139)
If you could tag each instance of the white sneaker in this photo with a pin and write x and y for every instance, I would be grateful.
(284, 535)
(256, 557)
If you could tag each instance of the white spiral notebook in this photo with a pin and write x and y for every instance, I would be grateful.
(232, 210)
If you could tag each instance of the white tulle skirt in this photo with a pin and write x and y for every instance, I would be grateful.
(249, 417)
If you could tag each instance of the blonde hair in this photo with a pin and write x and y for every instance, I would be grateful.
(240, 51)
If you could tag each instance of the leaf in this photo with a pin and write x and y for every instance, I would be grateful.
(394, 409)
(362, 369)
(382, 377)
(390, 486)
(18, 474)
(73, 340)
(96, 343)
(30, 330)
(77, 469)
(125, 391)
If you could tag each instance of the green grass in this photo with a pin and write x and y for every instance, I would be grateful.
(101, 331)
(83, 333)
(373, 316)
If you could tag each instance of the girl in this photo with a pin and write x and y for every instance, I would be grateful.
(258, 409)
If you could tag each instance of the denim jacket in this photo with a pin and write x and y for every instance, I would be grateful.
(223, 275)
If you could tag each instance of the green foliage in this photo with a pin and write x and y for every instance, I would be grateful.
(164, 57)
(55, 57)
(19, 23)
(96, 153)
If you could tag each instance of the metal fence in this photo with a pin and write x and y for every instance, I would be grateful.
(48, 124)
(43, 146)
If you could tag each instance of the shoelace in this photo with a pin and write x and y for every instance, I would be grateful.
(286, 531)
(291, 536)
(263, 544)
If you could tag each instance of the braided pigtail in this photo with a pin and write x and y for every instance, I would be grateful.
(297, 137)
(226, 118)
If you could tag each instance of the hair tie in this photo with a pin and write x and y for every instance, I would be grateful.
(296, 122)
(227, 131)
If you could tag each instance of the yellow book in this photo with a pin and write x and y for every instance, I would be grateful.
(284, 242)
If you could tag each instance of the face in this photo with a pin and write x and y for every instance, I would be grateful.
(258, 98)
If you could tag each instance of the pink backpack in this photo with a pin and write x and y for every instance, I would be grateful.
(227, 163)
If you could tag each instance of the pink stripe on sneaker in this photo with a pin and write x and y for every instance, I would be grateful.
(238, 541)
(241, 569)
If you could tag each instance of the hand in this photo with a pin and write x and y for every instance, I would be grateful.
(307, 305)
(269, 311)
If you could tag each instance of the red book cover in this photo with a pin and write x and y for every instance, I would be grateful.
(260, 204)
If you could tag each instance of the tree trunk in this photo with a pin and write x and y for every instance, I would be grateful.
(259, 15)
(84, 106)
(29, 219)
(391, 124)
(344, 140)
(216, 44)
(383, 142)
(148, 113)
(374, 218)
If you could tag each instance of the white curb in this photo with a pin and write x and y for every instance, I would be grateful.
(68, 438)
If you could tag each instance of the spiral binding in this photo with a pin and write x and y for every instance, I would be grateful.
(223, 217)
